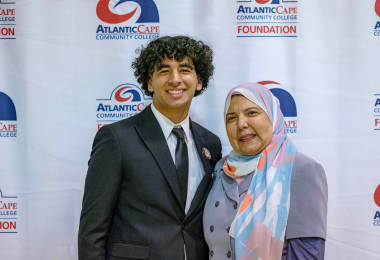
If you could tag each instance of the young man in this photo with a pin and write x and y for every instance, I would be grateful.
(149, 175)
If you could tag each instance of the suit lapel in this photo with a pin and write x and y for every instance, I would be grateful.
(202, 188)
(150, 132)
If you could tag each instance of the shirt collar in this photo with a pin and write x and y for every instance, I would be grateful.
(167, 125)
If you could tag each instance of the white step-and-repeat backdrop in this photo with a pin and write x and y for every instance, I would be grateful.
(65, 63)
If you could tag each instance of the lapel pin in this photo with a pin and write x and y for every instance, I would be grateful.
(206, 153)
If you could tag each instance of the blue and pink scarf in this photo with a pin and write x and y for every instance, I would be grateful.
(259, 227)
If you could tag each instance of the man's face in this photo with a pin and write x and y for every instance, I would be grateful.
(173, 85)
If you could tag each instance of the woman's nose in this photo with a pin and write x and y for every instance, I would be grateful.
(242, 123)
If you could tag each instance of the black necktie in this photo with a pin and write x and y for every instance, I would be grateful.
(181, 163)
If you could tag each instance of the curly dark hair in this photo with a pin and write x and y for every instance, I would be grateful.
(178, 47)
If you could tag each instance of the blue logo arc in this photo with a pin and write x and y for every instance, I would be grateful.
(7, 108)
(149, 11)
(287, 103)
(136, 95)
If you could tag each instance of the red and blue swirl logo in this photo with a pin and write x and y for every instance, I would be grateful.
(287, 103)
(127, 93)
(377, 196)
(149, 12)
(377, 7)
(7, 108)
(274, 2)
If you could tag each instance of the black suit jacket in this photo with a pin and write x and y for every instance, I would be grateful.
(131, 204)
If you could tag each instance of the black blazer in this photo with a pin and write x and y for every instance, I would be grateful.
(131, 204)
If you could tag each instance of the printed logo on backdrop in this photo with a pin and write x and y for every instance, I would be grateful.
(7, 20)
(377, 11)
(8, 213)
(127, 20)
(376, 219)
(287, 106)
(376, 111)
(125, 101)
(8, 117)
(267, 18)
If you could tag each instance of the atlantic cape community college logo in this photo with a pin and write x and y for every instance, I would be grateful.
(287, 105)
(377, 11)
(7, 20)
(267, 18)
(376, 219)
(376, 111)
(125, 101)
(127, 20)
(8, 214)
(8, 117)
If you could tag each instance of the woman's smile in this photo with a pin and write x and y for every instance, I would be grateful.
(247, 138)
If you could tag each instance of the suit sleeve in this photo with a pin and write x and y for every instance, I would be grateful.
(304, 249)
(101, 192)
(219, 149)
(308, 203)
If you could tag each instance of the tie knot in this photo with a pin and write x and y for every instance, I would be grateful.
(178, 132)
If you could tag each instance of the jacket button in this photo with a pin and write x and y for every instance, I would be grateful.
(235, 205)
(229, 254)
(228, 230)
(217, 204)
(212, 228)
(211, 253)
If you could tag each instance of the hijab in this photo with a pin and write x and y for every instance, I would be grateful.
(260, 224)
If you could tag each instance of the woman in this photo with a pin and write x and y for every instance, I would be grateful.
(268, 201)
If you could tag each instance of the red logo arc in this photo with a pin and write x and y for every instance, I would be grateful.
(377, 7)
(266, 82)
(262, 1)
(104, 13)
(377, 196)
(118, 95)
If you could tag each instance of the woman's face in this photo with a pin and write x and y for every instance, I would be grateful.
(248, 126)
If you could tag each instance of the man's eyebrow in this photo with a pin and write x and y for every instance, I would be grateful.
(187, 65)
(161, 66)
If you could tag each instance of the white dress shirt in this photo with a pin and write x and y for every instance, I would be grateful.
(196, 171)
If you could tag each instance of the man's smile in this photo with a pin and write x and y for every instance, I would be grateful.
(176, 91)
